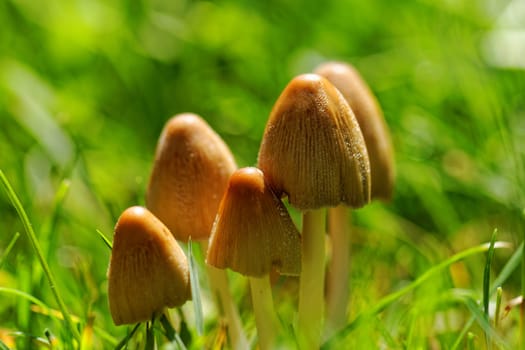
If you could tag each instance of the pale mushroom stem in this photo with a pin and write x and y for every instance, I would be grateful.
(218, 280)
(311, 285)
(266, 318)
(337, 279)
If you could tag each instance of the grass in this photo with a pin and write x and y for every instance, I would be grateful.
(85, 88)
(40, 255)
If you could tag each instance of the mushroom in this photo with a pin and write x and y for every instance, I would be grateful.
(148, 270)
(313, 152)
(253, 234)
(380, 152)
(190, 173)
(369, 115)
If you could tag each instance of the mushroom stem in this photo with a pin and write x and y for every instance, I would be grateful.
(219, 285)
(311, 286)
(337, 279)
(266, 318)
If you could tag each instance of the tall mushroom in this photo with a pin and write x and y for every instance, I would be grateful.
(313, 152)
(380, 152)
(148, 270)
(252, 234)
(190, 173)
(371, 121)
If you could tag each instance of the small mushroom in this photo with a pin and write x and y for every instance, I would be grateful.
(148, 270)
(314, 152)
(253, 234)
(190, 172)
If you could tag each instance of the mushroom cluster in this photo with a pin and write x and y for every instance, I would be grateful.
(325, 148)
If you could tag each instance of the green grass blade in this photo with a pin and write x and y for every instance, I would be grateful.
(195, 291)
(463, 333)
(505, 273)
(35, 341)
(104, 335)
(150, 335)
(486, 275)
(51, 339)
(468, 298)
(24, 295)
(389, 299)
(124, 342)
(486, 285)
(171, 334)
(470, 341)
(168, 328)
(58, 201)
(49, 311)
(497, 314)
(179, 343)
(9, 248)
(184, 333)
(34, 242)
(46, 237)
(508, 269)
(483, 322)
(3, 346)
(105, 239)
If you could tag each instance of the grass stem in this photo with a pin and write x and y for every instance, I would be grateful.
(311, 285)
(486, 284)
(470, 341)
(497, 315)
(8, 248)
(34, 242)
(195, 290)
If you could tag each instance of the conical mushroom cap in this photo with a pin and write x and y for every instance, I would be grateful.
(312, 149)
(190, 173)
(253, 232)
(148, 270)
(371, 121)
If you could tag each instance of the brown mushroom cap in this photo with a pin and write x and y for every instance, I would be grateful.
(371, 121)
(190, 173)
(253, 232)
(148, 270)
(312, 149)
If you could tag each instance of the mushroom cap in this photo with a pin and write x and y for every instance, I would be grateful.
(371, 121)
(312, 149)
(190, 173)
(148, 270)
(253, 232)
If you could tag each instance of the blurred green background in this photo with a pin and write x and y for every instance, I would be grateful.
(86, 86)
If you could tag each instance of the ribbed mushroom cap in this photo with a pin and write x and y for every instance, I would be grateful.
(253, 232)
(190, 173)
(371, 121)
(148, 270)
(312, 149)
